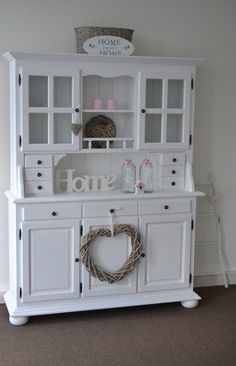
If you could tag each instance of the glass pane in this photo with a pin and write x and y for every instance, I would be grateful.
(38, 128)
(62, 128)
(175, 93)
(38, 91)
(174, 128)
(62, 91)
(153, 128)
(153, 93)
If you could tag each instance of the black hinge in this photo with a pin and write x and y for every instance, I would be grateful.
(192, 84)
(19, 79)
(190, 139)
(20, 140)
(80, 287)
(20, 292)
(190, 277)
(192, 225)
(81, 230)
(20, 234)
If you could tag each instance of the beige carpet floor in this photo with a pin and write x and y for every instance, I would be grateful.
(160, 335)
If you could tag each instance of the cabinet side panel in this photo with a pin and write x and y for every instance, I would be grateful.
(13, 128)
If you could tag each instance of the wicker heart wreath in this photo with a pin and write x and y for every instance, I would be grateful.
(129, 264)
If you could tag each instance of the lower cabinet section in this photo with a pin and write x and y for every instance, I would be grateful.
(50, 270)
(48, 276)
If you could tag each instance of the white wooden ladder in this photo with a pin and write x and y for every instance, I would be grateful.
(212, 198)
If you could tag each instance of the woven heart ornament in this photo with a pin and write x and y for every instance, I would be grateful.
(76, 128)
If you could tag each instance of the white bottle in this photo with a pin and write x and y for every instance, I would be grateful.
(146, 175)
(128, 176)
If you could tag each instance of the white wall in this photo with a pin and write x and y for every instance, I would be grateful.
(185, 28)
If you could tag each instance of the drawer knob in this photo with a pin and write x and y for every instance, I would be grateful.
(166, 207)
(54, 213)
(173, 183)
(76, 260)
(143, 110)
(39, 174)
(39, 162)
(112, 210)
(143, 255)
(40, 187)
(174, 160)
(77, 110)
(173, 172)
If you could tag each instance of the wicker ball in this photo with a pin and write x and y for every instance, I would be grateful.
(100, 126)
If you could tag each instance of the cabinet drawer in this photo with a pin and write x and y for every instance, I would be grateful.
(165, 206)
(172, 183)
(173, 159)
(172, 171)
(38, 174)
(103, 208)
(33, 161)
(38, 188)
(52, 210)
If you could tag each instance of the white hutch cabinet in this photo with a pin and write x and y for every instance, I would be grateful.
(50, 209)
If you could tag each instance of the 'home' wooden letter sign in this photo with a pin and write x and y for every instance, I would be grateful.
(85, 183)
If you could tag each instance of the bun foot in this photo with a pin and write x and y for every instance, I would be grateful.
(189, 304)
(18, 320)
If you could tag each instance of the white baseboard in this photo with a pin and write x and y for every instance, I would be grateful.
(3, 289)
(214, 279)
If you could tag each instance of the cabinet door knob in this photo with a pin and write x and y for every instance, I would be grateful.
(112, 210)
(173, 172)
(143, 110)
(173, 183)
(174, 160)
(166, 207)
(77, 110)
(143, 255)
(76, 260)
(39, 174)
(54, 213)
(40, 187)
(39, 162)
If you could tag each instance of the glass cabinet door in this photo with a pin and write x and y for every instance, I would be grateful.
(50, 106)
(165, 111)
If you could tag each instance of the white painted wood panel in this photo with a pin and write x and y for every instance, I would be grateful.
(39, 160)
(45, 211)
(121, 208)
(167, 252)
(164, 206)
(48, 266)
(38, 188)
(38, 174)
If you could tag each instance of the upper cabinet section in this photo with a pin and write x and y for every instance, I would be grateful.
(165, 110)
(109, 112)
(50, 106)
(81, 103)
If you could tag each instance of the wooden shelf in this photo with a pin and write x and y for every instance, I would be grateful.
(108, 111)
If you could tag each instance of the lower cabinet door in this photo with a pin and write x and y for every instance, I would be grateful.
(109, 254)
(167, 245)
(48, 267)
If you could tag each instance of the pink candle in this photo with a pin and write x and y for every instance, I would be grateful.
(111, 103)
(97, 103)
